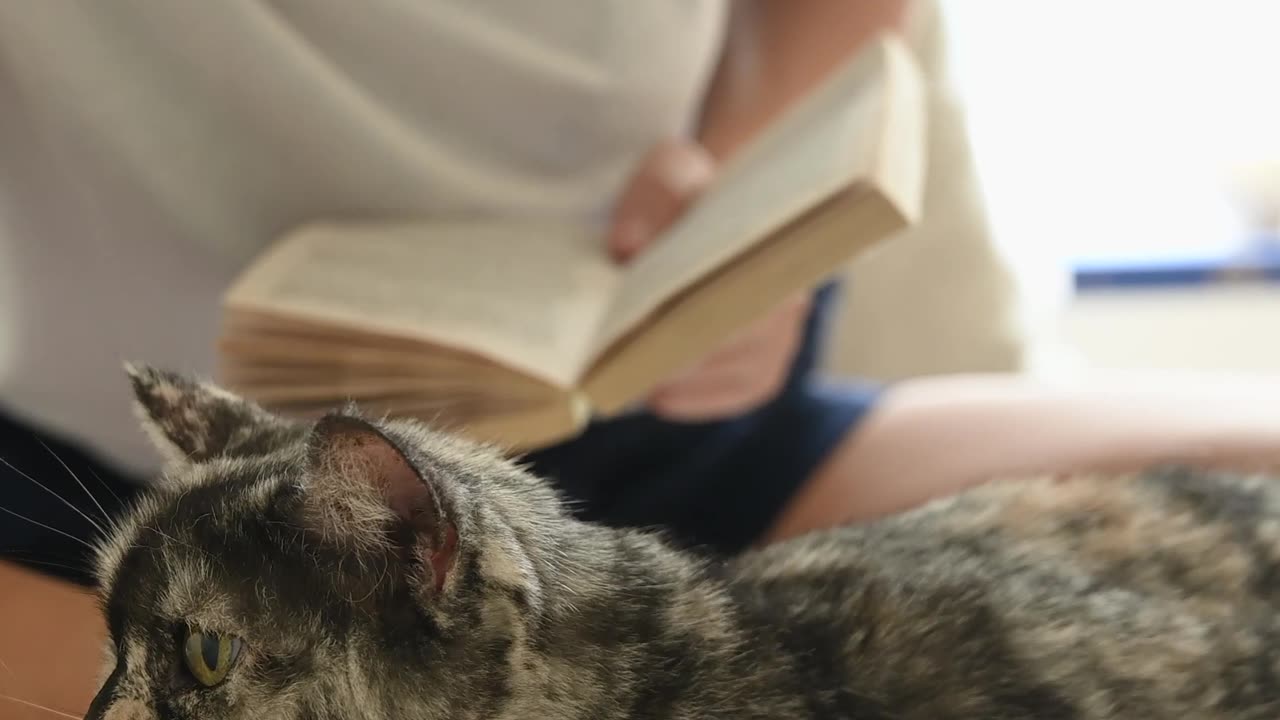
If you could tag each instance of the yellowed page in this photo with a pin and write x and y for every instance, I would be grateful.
(526, 295)
(825, 144)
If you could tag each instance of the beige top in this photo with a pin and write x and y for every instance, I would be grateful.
(149, 149)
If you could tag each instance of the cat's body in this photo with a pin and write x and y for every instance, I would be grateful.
(378, 570)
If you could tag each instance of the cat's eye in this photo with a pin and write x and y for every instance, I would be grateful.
(210, 656)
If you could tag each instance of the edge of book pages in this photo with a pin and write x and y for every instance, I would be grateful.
(242, 300)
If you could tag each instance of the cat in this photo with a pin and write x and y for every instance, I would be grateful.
(354, 567)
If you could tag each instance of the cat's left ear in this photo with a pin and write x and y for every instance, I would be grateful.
(364, 489)
(190, 421)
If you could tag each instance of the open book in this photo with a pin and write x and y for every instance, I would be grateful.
(519, 332)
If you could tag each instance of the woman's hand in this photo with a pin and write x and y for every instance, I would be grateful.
(748, 370)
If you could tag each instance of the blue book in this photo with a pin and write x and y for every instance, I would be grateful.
(1255, 261)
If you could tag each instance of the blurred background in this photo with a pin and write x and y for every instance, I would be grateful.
(1105, 195)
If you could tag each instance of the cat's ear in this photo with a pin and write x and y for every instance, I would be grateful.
(363, 484)
(189, 420)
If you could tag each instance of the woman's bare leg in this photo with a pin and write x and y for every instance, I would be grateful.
(933, 437)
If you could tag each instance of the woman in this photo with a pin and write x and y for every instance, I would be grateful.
(149, 150)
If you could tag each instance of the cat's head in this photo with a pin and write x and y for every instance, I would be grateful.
(337, 568)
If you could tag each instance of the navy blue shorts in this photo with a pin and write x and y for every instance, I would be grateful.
(715, 485)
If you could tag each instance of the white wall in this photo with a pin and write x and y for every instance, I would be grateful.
(1191, 329)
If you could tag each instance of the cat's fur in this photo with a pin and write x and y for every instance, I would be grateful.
(375, 569)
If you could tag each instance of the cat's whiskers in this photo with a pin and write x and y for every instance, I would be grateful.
(30, 704)
(61, 499)
(106, 516)
(47, 563)
(47, 527)
(104, 485)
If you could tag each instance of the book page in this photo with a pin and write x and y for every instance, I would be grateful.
(824, 145)
(526, 295)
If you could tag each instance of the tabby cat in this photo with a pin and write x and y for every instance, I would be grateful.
(363, 568)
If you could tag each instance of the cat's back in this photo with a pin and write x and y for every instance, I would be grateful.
(1090, 597)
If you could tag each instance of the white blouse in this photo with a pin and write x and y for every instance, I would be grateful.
(148, 149)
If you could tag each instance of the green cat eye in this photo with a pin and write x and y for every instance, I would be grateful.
(209, 656)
